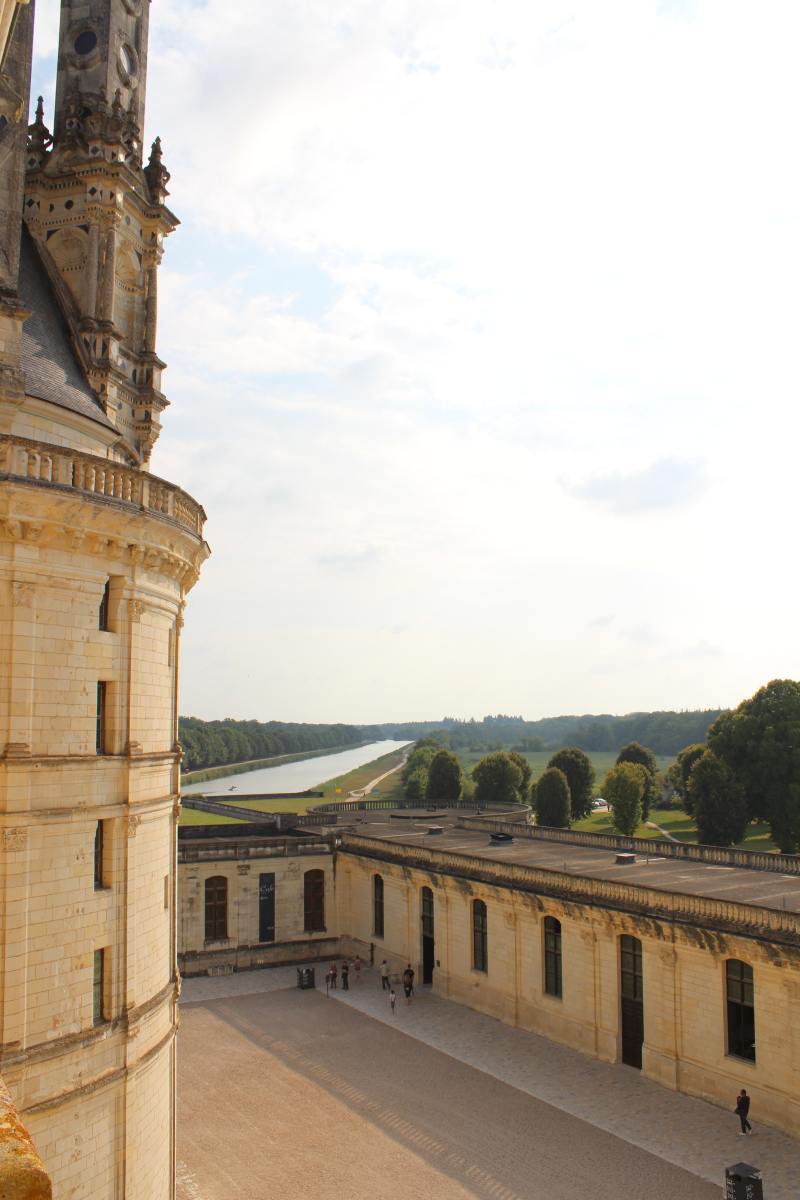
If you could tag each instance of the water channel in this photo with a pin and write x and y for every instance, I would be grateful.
(294, 776)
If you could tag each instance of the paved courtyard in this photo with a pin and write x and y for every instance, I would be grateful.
(289, 1093)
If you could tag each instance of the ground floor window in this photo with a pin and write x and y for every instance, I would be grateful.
(741, 1009)
(552, 956)
(314, 901)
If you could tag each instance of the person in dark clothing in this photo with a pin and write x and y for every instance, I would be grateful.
(345, 977)
(741, 1110)
(332, 975)
(408, 983)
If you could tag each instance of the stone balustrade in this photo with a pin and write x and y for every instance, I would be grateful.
(22, 1174)
(103, 479)
(671, 906)
(720, 856)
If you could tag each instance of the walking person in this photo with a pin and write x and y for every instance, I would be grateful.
(741, 1110)
(392, 999)
(333, 975)
(408, 983)
(357, 968)
(385, 976)
(345, 977)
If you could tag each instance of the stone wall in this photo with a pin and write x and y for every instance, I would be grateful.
(684, 963)
(241, 864)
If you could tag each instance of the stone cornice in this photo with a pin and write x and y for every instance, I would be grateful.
(706, 912)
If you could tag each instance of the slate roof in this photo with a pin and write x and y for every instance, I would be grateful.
(51, 369)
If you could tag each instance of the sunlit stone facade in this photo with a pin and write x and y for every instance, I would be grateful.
(97, 556)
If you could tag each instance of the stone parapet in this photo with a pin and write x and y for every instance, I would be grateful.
(704, 911)
(98, 478)
(22, 1174)
(723, 856)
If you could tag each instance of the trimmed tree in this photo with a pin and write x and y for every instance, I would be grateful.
(681, 769)
(579, 771)
(760, 742)
(718, 802)
(497, 779)
(623, 789)
(444, 777)
(552, 800)
(416, 784)
(525, 768)
(636, 753)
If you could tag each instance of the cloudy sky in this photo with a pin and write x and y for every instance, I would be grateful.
(482, 327)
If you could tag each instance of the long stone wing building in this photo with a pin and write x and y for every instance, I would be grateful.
(97, 556)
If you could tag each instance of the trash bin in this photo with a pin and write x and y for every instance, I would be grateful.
(305, 977)
(743, 1182)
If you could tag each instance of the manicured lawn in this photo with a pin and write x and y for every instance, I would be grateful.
(191, 816)
(359, 777)
(678, 823)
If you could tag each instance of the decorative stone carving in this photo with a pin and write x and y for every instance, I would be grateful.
(133, 825)
(15, 839)
(135, 609)
(22, 595)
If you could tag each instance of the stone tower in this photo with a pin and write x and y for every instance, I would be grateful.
(96, 559)
(101, 212)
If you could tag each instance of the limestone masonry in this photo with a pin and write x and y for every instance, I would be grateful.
(97, 556)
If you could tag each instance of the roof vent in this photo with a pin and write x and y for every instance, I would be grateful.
(501, 837)
(435, 829)
(626, 859)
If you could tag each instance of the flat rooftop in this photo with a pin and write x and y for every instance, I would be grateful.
(766, 889)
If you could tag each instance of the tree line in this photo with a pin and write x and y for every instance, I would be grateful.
(747, 769)
(664, 732)
(220, 743)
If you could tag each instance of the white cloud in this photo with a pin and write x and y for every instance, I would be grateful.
(437, 258)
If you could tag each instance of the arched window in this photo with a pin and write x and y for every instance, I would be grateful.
(741, 1010)
(377, 905)
(552, 956)
(216, 908)
(314, 901)
(480, 943)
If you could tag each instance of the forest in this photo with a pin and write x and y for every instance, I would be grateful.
(663, 732)
(218, 743)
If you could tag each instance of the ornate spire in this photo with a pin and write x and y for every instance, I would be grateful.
(156, 174)
(39, 138)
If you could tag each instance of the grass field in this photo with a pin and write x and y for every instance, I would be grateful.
(680, 825)
(191, 816)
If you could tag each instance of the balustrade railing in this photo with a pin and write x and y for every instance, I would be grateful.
(722, 856)
(669, 905)
(22, 458)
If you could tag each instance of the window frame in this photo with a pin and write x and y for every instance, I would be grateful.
(553, 958)
(103, 611)
(631, 968)
(98, 987)
(101, 717)
(99, 857)
(740, 1032)
(314, 901)
(480, 936)
(215, 928)
(378, 905)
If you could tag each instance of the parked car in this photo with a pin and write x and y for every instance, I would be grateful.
(599, 803)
